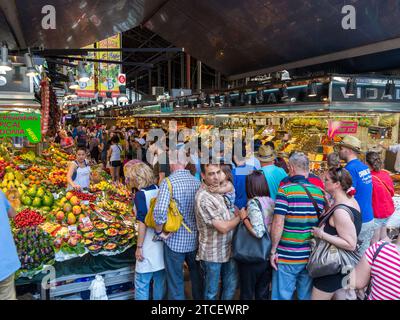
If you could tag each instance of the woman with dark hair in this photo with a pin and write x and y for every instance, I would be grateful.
(382, 193)
(114, 158)
(256, 277)
(340, 226)
(333, 160)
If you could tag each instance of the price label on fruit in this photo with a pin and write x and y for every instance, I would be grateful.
(72, 230)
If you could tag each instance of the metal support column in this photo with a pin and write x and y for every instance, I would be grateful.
(182, 70)
(158, 76)
(169, 75)
(150, 81)
(189, 84)
(198, 76)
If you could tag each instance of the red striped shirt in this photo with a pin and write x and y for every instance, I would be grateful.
(385, 272)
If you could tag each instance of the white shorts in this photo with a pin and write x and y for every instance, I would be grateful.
(394, 220)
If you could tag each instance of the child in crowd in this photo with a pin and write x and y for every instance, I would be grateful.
(226, 187)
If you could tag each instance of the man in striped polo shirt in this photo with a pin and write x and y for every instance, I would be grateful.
(294, 216)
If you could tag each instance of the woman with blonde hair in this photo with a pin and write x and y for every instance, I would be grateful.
(149, 254)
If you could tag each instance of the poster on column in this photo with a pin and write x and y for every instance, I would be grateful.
(108, 73)
(87, 89)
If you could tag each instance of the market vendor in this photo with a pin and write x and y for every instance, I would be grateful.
(67, 143)
(78, 176)
(395, 149)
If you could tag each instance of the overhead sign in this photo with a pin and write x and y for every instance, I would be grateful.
(108, 73)
(21, 125)
(341, 127)
(88, 89)
(122, 79)
(365, 92)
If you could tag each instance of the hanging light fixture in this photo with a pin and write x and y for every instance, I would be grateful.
(109, 102)
(122, 95)
(100, 104)
(284, 92)
(69, 93)
(390, 88)
(17, 76)
(312, 89)
(83, 76)
(73, 84)
(351, 87)
(30, 69)
(5, 65)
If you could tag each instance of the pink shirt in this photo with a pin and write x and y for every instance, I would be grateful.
(385, 272)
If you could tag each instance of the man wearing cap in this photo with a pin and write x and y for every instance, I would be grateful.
(272, 173)
(349, 149)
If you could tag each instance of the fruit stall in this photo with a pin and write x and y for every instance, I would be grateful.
(76, 232)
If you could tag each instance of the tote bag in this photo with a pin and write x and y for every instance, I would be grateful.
(326, 259)
(249, 249)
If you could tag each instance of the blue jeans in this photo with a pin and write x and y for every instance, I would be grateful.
(288, 278)
(174, 271)
(142, 285)
(212, 271)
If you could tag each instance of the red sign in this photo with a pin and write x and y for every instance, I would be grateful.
(122, 79)
(341, 127)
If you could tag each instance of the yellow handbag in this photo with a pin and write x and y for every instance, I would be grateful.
(174, 217)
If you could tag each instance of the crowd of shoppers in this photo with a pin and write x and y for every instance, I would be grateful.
(348, 207)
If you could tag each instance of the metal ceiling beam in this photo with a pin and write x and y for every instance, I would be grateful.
(135, 64)
(55, 52)
(10, 11)
(142, 45)
(377, 47)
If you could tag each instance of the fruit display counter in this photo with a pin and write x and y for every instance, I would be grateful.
(54, 225)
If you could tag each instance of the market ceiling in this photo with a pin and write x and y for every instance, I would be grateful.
(238, 38)
(77, 22)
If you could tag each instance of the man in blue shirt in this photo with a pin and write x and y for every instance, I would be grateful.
(272, 173)
(349, 149)
(239, 173)
(9, 261)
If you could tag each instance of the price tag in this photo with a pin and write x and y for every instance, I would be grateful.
(86, 202)
(86, 222)
(72, 230)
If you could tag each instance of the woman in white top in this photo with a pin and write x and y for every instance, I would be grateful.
(114, 158)
(78, 175)
(149, 254)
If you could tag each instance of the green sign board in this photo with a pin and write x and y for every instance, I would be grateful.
(21, 125)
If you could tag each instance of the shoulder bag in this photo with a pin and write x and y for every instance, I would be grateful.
(174, 217)
(386, 187)
(314, 202)
(246, 248)
(327, 259)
